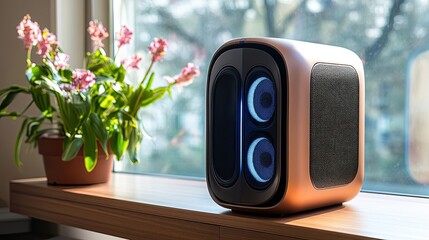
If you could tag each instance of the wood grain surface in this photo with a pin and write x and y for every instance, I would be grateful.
(149, 207)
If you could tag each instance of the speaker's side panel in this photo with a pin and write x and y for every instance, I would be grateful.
(308, 188)
(334, 125)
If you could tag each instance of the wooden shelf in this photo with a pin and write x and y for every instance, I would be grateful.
(137, 207)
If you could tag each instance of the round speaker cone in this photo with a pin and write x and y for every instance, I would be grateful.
(261, 160)
(261, 99)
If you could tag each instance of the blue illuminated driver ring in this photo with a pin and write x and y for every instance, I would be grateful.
(260, 88)
(262, 173)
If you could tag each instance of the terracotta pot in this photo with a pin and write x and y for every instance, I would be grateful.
(72, 172)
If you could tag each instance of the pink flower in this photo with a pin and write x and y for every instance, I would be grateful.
(28, 31)
(188, 73)
(132, 62)
(82, 79)
(158, 48)
(61, 60)
(186, 76)
(97, 32)
(124, 36)
(46, 43)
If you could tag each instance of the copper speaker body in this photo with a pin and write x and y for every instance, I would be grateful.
(295, 176)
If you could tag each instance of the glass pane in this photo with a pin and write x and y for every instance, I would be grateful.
(389, 36)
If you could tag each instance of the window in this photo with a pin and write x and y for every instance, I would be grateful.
(391, 37)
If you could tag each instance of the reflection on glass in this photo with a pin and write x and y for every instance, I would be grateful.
(418, 119)
(384, 33)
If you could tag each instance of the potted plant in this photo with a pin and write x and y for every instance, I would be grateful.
(86, 115)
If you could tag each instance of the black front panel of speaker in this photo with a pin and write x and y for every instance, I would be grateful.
(334, 125)
(246, 126)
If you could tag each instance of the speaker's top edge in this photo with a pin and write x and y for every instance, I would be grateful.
(299, 49)
(277, 42)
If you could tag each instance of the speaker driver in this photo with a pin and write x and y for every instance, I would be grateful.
(261, 160)
(261, 99)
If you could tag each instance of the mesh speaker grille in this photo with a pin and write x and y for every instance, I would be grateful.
(334, 125)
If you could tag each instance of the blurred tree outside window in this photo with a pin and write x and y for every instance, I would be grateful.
(390, 36)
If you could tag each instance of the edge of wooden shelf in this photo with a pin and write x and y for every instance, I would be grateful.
(136, 206)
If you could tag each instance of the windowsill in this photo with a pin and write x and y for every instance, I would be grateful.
(136, 207)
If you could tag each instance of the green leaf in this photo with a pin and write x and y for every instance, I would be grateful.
(35, 72)
(90, 147)
(101, 65)
(48, 84)
(62, 106)
(149, 83)
(129, 121)
(7, 100)
(11, 93)
(73, 114)
(118, 144)
(13, 89)
(66, 73)
(70, 148)
(43, 101)
(33, 126)
(53, 72)
(10, 114)
(19, 141)
(135, 99)
(99, 130)
(107, 101)
(81, 108)
(120, 74)
(133, 157)
(153, 95)
(134, 145)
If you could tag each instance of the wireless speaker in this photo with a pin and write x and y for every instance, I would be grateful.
(285, 125)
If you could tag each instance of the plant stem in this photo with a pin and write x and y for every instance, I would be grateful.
(116, 54)
(26, 108)
(147, 72)
(29, 56)
(134, 109)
